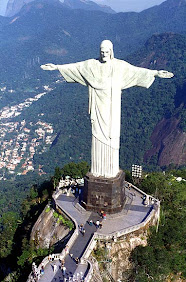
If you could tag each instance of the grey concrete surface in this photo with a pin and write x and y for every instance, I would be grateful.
(133, 213)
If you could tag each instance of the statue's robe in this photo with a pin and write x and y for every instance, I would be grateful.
(105, 82)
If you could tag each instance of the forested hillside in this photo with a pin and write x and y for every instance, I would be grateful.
(66, 108)
(165, 100)
(49, 32)
(164, 257)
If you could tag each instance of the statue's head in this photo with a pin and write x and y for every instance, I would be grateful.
(106, 51)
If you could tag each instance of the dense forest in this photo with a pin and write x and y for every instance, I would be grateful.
(66, 107)
(164, 257)
(52, 33)
(14, 191)
(16, 251)
(47, 32)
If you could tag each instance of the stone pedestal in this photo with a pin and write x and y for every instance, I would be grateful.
(107, 194)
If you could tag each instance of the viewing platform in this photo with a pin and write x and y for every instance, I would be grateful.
(135, 215)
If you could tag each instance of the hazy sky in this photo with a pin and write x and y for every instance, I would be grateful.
(129, 5)
(117, 5)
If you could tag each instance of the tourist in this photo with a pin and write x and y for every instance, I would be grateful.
(77, 260)
(42, 270)
(62, 263)
(63, 270)
(91, 222)
(83, 231)
(101, 213)
(66, 249)
(54, 268)
(81, 227)
(97, 224)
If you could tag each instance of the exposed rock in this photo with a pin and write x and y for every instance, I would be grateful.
(168, 142)
(120, 267)
(120, 253)
(114, 255)
(48, 230)
(96, 277)
(14, 6)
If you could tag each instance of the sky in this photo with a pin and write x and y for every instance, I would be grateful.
(129, 5)
(117, 5)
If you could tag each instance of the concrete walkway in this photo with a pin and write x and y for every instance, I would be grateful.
(133, 213)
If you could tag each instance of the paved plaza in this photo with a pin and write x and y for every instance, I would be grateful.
(133, 213)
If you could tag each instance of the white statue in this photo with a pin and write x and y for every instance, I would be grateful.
(105, 79)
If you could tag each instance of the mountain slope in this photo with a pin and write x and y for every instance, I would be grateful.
(143, 111)
(163, 110)
(14, 6)
(43, 32)
(87, 5)
(51, 32)
(168, 142)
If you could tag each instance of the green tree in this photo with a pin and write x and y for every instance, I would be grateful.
(33, 192)
(9, 224)
(75, 170)
(83, 168)
(165, 253)
(57, 176)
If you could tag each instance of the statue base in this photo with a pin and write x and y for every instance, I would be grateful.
(107, 194)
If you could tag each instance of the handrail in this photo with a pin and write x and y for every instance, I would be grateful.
(115, 234)
(140, 191)
(63, 253)
(96, 236)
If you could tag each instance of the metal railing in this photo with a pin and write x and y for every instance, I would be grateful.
(96, 236)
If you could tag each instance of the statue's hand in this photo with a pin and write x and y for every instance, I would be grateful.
(165, 74)
(49, 67)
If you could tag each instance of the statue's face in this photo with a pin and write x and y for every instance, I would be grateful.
(105, 54)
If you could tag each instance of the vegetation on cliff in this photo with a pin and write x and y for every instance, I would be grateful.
(164, 257)
(16, 251)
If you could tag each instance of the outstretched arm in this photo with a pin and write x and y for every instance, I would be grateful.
(70, 72)
(143, 77)
(164, 74)
(49, 67)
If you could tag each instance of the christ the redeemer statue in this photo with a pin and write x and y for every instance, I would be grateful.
(105, 78)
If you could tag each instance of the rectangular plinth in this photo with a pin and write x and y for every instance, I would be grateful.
(106, 194)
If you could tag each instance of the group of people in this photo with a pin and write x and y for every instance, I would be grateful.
(97, 223)
(61, 266)
(76, 259)
(103, 214)
(54, 266)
